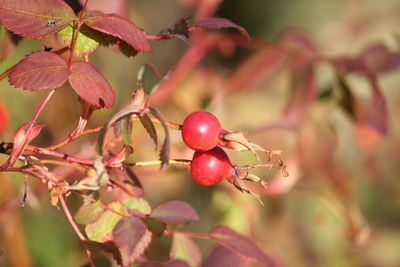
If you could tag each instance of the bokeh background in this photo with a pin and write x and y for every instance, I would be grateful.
(340, 206)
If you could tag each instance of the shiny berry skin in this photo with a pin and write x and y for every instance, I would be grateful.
(211, 167)
(201, 131)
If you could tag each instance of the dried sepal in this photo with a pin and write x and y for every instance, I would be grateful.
(95, 178)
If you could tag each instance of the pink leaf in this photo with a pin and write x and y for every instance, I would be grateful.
(186, 249)
(35, 19)
(39, 71)
(91, 85)
(175, 211)
(241, 245)
(222, 256)
(380, 59)
(219, 23)
(119, 27)
(22, 137)
(132, 238)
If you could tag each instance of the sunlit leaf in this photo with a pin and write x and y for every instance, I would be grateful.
(139, 204)
(185, 249)
(175, 211)
(39, 71)
(89, 213)
(35, 20)
(101, 230)
(88, 39)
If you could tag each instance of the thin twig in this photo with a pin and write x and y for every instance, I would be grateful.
(76, 229)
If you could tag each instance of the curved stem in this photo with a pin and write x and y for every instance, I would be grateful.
(62, 163)
(76, 229)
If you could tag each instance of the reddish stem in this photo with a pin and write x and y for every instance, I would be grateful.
(195, 235)
(77, 231)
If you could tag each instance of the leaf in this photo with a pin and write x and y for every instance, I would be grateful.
(170, 263)
(219, 23)
(241, 245)
(111, 248)
(222, 256)
(26, 133)
(156, 227)
(149, 126)
(89, 213)
(132, 238)
(125, 152)
(100, 140)
(101, 230)
(130, 180)
(35, 19)
(119, 27)
(88, 39)
(346, 101)
(39, 71)
(185, 249)
(91, 85)
(179, 30)
(125, 111)
(257, 67)
(138, 204)
(175, 211)
(378, 58)
(164, 153)
(304, 93)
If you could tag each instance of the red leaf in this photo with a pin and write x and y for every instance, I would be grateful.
(39, 71)
(22, 137)
(119, 27)
(241, 245)
(35, 19)
(91, 85)
(222, 256)
(186, 249)
(132, 238)
(175, 211)
(219, 23)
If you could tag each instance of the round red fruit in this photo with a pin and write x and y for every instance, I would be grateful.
(201, 131)
(211, 167)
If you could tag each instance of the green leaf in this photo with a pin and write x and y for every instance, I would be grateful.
(125, 126)
(186, 249)
(100, 140)
(149, 126)
(139, 204)
(89, 213)
(165, 149)
(88, 38)
(149, 77)
(101, 230)
(157, 227)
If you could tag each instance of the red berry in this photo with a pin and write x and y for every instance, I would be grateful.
(201, 131)
(211, 167)
(3, 117)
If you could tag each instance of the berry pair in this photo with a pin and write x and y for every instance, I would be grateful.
(201, 131)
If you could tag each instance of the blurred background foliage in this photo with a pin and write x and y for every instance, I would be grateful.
(341, 204)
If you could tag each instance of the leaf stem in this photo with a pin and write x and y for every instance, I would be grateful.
(195, 235)
(76, 229)
(157, 162)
